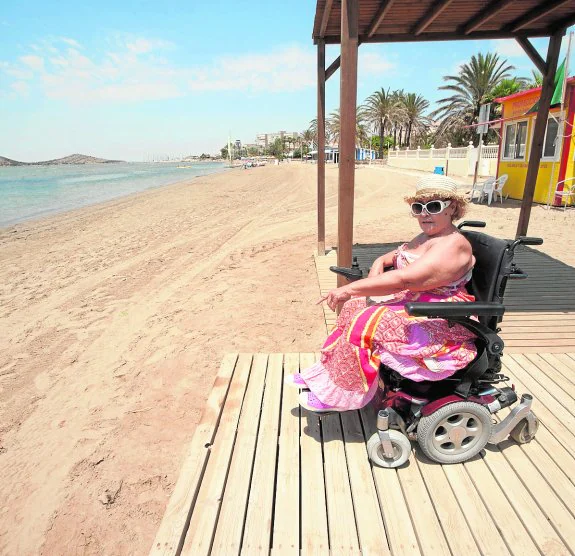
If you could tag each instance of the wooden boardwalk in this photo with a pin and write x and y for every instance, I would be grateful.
(263, 476)
(540, 311)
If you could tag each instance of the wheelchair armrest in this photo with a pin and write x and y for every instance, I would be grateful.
(459, 312)
(454, 309)
(351, 274)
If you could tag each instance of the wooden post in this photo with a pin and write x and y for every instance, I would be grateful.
(347, 111)
(321, 147)
(539, 131)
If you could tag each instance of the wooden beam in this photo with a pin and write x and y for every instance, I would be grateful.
(378, 18)
(535, 14)
(321, 77)
(347, 114)
(325, 18)
(539, 132)
(432, 14)
(441, 36)
(487, 13)
(532, 53)
(333, 67)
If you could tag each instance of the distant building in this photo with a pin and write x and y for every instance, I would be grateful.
(266, 139)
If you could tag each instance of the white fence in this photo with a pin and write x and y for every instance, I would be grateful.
(456, 160)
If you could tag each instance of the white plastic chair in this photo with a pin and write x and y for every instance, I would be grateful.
(479, 187)
(494, 188)
(566, 192)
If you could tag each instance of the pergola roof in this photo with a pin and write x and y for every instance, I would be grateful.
(430, 20)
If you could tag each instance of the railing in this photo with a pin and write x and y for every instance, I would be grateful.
(449, 152)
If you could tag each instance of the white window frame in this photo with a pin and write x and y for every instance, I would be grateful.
(555, 157)
(506, 127)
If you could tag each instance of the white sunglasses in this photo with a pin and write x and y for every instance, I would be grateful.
(431, 207)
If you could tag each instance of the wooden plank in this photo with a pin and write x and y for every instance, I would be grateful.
(205, 512)
(342, 540)
(548, 394)
(534, 520)
(421, 508)
(400, 531)
(370, 527)
(538, 335)
(457, 531)
(258, 528)
(230, 525)
(548, 501)
(546, 416)
(534, 349)
(563, 364)
(286, 526)
(550, 374)
(514, 533)
(486, 533)
(170, 535)
(314, 528)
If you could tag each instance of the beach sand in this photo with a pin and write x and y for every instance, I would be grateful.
(115, 319)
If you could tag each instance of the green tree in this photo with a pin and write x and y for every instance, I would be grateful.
(381, 110)
(333, 127)
(470, 87)
(415, 106)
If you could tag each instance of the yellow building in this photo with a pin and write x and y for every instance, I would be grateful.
(557, 159)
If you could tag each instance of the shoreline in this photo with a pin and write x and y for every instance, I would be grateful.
(49, 213)
(117, 317)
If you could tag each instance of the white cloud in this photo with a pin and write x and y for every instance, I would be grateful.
(508, 48)
(20, 87)
(71, 42)
(287, 69)
(33, 62)
(373, 63)
(142, 46)
(132, 71)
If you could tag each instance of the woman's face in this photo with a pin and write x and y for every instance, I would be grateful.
(434, 224)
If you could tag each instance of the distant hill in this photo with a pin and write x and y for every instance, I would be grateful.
(72, 159)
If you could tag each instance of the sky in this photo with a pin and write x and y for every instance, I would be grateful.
(134, 79)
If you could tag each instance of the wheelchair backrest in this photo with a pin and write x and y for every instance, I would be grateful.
(493, 258)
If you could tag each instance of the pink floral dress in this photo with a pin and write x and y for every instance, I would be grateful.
(367, 334)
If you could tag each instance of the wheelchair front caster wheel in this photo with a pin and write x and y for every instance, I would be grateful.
(401, 450)
(521, 433)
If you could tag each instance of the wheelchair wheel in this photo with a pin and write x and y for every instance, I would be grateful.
(521, 431)
(401, 449)
(455, 432)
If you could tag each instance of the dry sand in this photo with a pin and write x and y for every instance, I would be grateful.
(115, 319)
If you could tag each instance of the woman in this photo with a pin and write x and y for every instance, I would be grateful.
(434, 266)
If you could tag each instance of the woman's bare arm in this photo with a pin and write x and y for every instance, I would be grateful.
(443, 263)
(380, 263)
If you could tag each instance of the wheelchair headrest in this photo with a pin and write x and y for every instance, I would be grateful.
(493, 259)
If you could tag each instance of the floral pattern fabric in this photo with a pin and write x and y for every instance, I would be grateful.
(367, 334)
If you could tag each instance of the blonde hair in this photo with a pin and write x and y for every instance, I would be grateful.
(460, 203)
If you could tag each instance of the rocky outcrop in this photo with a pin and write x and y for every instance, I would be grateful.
(71, 159)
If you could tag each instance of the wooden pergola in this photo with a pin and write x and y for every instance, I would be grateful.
(353, 22)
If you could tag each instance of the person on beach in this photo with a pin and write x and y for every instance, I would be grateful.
(371, 329)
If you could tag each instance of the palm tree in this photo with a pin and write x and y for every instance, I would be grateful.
(415, 105)
(333, 126)
(381, 109)
(308, 139)
(474, 81)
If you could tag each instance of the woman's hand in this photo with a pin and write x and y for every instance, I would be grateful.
(335, 297)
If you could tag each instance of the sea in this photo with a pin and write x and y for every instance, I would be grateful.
(30, 192)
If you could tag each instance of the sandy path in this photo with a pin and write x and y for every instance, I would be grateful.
(115, 319)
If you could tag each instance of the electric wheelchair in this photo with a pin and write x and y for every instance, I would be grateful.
(451, 418)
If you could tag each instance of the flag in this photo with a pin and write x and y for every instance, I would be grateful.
(557, 93)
